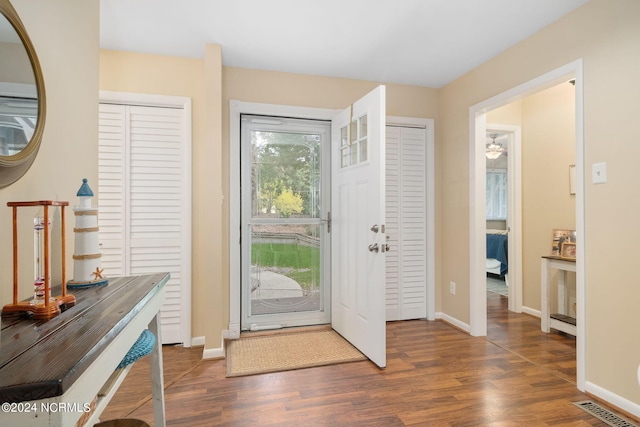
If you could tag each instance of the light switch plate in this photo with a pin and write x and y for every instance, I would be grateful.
(599, 173)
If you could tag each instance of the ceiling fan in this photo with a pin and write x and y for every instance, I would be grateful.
(494, 150)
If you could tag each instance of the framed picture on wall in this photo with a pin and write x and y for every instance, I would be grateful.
(560, 237)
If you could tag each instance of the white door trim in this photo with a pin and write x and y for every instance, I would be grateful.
(428, 125)
(236, 108)
(477, 224)
(514, 217)
(140, 99)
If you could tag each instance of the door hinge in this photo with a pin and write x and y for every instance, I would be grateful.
(328, 221)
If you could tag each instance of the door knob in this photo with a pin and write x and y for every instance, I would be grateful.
(374, 228)
(373, 247)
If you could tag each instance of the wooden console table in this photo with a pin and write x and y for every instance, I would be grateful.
(559, 320)
(51, 371)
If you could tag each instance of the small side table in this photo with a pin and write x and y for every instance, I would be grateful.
(560, 320)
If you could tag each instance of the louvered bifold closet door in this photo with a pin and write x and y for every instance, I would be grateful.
(140, 203)
(112, 189)
(406, 223)
(392, 148)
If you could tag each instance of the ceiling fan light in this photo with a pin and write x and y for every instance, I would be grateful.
(493, 150)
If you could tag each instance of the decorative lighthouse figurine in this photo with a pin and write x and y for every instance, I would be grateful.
(86, 256)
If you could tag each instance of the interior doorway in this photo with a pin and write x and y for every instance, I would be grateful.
(477, 251)
(504, 212)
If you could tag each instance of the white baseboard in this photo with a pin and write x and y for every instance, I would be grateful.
(532, 312)
(452, 320)
(197, 341)
(213, 353)
(613, 399)
(465, 327)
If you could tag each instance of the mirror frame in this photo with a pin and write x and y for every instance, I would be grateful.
(14, 167)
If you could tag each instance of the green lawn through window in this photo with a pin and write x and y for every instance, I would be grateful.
(299, 262)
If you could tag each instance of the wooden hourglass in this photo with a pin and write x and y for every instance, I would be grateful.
(47, 307)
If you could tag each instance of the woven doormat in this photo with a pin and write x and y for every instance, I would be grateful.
(284, 352)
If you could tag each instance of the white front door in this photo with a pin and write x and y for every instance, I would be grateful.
(358, 238)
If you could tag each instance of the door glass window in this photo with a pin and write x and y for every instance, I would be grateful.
(285, 172)
(345, 155)
(353, 143)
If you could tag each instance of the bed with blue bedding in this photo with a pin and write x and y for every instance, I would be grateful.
(497, 252)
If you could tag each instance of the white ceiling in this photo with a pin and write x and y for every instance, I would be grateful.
(417, 42)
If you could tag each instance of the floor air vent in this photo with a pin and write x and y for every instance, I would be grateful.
(607, 416)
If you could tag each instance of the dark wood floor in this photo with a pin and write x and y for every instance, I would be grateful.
(436, 375)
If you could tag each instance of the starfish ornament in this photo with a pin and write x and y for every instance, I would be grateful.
(98, 273)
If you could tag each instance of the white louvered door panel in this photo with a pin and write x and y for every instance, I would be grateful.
(406, 223)
(112, 189)
(392, 209)
(155, 182)
(152, 204)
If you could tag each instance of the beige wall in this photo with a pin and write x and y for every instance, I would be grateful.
(547, 120)
(548, 148)
(65, 34)
(606, 35)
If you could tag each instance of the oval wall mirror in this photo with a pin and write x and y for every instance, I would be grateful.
(22, 98)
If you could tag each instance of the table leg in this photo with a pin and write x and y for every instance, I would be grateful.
(157, 377)
(544, 285)
(562, 301)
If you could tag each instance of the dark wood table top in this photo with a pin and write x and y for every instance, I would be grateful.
(559, 258)
(41, 359)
